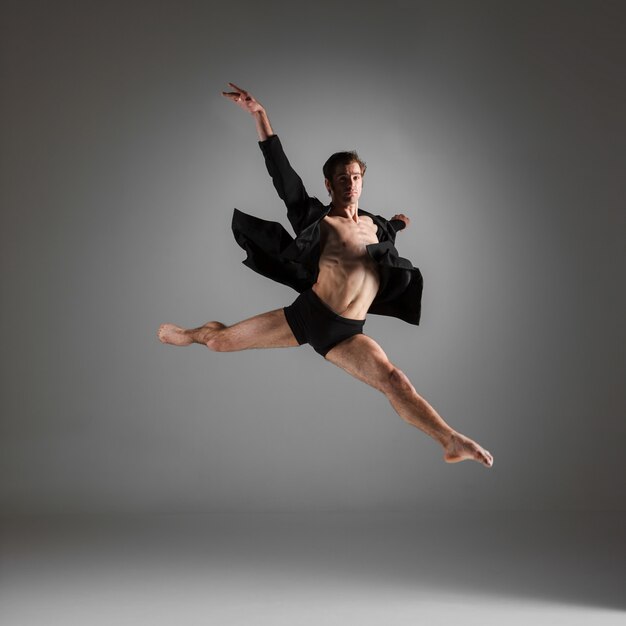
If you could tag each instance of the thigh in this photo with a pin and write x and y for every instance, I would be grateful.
(364, 359)
(267, 330)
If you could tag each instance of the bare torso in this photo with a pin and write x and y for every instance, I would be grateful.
(348, 278)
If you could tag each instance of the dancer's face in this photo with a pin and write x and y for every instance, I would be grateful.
(346, 185)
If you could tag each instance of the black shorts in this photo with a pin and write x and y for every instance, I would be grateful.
(311, 321)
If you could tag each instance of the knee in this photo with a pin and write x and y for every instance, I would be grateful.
(397, 382)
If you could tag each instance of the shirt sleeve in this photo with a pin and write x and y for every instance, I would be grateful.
(289, 186)
(397, 224)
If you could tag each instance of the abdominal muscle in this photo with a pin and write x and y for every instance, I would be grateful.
(348, 279)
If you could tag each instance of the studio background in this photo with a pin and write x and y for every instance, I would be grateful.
(497, 127)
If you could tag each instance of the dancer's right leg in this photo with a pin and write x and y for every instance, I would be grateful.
(268, 330)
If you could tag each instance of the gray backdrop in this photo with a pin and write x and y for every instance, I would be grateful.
(497, 126)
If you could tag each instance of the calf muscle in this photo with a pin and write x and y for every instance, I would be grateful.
(364, 359)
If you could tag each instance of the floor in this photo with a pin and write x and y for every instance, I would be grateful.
(319, 568)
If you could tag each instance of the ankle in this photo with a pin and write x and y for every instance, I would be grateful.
(446, 437)
(208, 332)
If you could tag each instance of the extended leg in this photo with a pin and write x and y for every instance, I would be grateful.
(364, 359)
(268, 330)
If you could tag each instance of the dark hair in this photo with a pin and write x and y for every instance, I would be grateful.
(342, 158)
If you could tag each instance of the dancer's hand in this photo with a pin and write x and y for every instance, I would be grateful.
(243, 99)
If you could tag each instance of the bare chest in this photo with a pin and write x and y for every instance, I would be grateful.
(345, 237)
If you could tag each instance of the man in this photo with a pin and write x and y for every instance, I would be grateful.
(344, 264)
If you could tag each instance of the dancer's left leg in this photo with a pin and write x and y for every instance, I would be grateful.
(364, 359)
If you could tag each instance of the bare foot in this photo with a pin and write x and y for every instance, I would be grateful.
(462, 448)
(177, 336)
(174, 335)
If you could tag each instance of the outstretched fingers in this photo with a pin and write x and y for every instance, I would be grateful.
(243, 99)
(237, 95)
(239, 89)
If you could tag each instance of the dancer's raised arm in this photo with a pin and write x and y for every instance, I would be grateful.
(248, 103)
(301, 209)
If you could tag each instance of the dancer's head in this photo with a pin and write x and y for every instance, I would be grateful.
(343, 176)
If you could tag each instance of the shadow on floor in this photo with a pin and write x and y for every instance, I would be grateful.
(566, 558)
